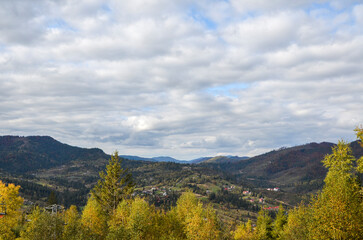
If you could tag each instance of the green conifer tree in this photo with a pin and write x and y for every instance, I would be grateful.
(115, 184)
(264, 226)
(279, 223)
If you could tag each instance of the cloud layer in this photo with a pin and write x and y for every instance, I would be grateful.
(182, 78)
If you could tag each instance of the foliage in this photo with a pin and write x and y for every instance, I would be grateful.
(202, 223)
(199, 222)
(72, 224)
(233, 199)
(10, 205)
(359, 132)
(279, 223)
(93, 221)
(244, 231)
(52, 199)
(115, 184)
(297, 226)
(134, 219)
(337, 211)
(43, 225)
(263, 226)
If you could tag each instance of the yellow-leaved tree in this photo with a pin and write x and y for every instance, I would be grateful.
(10, 203)
(298, 222)
(337, 210)
(93, 221)
(244, 231)
(199, 222)
(43, 225)
(134, 219)
(72, 224)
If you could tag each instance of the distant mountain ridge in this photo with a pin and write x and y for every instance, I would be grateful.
(194, 161)
(154, 159)
(20, 154)
(285, 166)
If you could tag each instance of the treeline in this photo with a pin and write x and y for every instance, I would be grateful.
(112, 213)
(33, 192)
(335, 213)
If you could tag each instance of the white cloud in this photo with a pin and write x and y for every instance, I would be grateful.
(164, 77)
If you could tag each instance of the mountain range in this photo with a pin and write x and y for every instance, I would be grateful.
(42, 164)
(19, 154)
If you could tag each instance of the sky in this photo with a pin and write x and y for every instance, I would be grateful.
(182, 78)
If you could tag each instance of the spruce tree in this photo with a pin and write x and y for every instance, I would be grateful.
(115, 184)
(279, 223)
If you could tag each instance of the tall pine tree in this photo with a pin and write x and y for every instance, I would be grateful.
(115, 184)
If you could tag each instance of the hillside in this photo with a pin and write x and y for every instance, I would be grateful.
(296, 169)
(223, 159)
(21, 154)
(42, 165)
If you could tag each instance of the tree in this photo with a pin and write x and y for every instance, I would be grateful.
(186, 202)
(297, 226)
(93, 221)
(198, 222)
(359, 132)
(134, 219)
(337, 210)
(10, 205)
(43, 225)
(72, 224)
(244, 231)
(264, 225)
(279, 223)
(52, 199)
(115, 184)
(202, 223)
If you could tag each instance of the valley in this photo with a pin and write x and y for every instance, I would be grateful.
(42, 165)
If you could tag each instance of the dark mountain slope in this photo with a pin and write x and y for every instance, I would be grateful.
(23, 154)
(286, 166)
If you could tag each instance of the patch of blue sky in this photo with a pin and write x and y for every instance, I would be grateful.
(330, 11)
(228, 90)
(2, 47)
(327, 12)
(198, 16)
(59, 23)
(147, 109)
(106, 8)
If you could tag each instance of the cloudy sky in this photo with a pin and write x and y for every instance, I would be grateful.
(182, 78)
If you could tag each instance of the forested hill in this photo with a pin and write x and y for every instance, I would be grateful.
(23, 154)
(286, 165)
